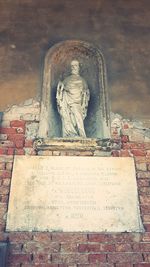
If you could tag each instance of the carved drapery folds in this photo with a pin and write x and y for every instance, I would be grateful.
(92, 69)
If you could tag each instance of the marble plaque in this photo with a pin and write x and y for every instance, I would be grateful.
(73, 194)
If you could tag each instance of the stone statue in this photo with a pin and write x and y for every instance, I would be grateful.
(72, 102)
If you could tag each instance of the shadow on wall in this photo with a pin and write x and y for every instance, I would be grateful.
(1, 116)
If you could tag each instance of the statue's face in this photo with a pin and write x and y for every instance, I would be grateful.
(75, 67)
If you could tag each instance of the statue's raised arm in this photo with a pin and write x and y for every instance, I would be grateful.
(59, 95)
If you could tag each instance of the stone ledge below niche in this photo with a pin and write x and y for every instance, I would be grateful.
(80, 144)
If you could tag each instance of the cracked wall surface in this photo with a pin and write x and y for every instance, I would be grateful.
(120, 28)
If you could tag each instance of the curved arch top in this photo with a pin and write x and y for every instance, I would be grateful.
(56, 68)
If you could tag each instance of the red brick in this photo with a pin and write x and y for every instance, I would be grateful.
(115, 238)
(124, 265)
(10, 151)
(4, 130)
(28, 143)
(120, 247)
(18, 140)
(143, 175)
(19, 258)
(138, 152)
(17, 123)
(9, 166)
(107, 247)
(75, 258)
(19, 143)
(20, 236)
(145, 247)
(6, 182)
(147, 227)
(148, 167)
(32, 247)
(6, 158)
(69, 237)
(144, 190)
(125, 125)
(4, 198)
(125, 153)
(140, 159)
(100, 264)
(3, 151)
(146, 257)
(6, 144)
(96, 247)
(124, 138)
(148, 152)
(69, 247)
(142, 265)
(15, 248)
(115, 136)
(89, 247)
(2, 165)
(44, 238)
(147, 159)
(97, 258)
(125, 258)
(99, 238)
(115, 153)
(146, 218)
(43, 265)
(145, 200)
(2, 227)
(145, 209)
(141, 166)
(41, 258)
(4, 190)
(3, 236)
(134, 146)
(147, 145)
(19, 151)
(143, 182)
(37, 247)
(3, 208)
(146, 237)
(5, 174)
(46, 265)
(14, 137)
(17, 265)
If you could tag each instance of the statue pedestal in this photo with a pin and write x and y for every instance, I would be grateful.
(81, 144)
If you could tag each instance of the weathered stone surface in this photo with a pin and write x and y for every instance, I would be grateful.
(25, 111)
(73, 194)
(31, 130)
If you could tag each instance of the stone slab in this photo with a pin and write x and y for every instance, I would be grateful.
(73, 194)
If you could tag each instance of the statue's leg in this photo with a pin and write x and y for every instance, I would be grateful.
(78, 116)
(68, 123)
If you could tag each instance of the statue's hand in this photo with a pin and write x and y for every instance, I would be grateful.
(59, 94)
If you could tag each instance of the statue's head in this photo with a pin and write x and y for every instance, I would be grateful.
(75, 67)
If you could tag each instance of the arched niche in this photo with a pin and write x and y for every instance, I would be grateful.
(56, 68)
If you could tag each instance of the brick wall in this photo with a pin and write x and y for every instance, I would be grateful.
(17, 133)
